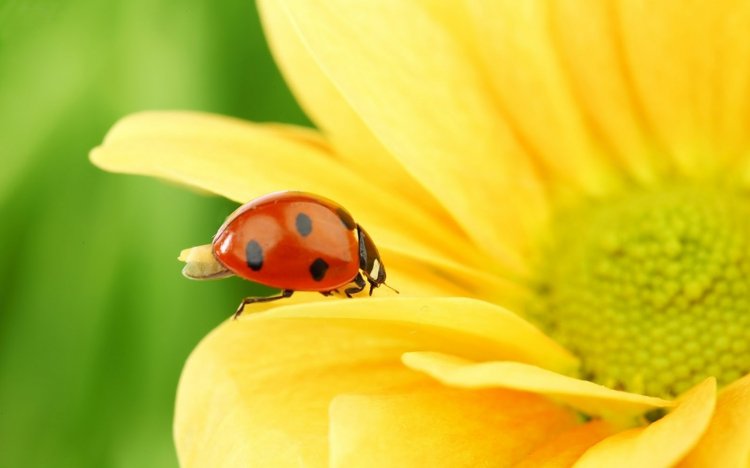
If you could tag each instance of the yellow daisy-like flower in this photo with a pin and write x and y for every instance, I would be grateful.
(558, 189)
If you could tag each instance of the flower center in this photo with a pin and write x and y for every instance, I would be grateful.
(651, 290)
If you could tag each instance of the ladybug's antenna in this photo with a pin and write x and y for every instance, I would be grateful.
(391, 288)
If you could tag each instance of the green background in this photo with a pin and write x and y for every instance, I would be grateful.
(95, 319)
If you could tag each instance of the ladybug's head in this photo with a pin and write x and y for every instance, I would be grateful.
(369, 260)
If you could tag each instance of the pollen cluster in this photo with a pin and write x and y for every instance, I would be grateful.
(651, 290)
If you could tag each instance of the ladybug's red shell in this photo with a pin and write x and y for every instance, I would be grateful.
(291, 241)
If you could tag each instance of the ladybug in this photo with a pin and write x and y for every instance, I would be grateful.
(293, 241)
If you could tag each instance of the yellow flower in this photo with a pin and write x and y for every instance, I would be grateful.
(583, 165)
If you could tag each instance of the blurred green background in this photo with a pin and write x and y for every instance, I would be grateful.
(95, 319)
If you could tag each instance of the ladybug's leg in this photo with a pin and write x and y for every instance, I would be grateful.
(373, 285)
(252, 300)
(360, 285)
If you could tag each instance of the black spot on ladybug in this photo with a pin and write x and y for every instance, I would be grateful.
(303, 223)
(346, 218)
(318, 269)
(254, 255)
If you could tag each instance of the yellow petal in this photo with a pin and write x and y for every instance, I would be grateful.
(256, 393)
(726, 443)
(427, 102)
(487, 330)
(257, 389)
(416, 275)
(563, 451)
(441, 427)
(662, 443)
(584, 395)
(241, 161)
(586, 38)
(236, 159)
(534, 90)
(689, 65)
(354, 143)
(413, 278)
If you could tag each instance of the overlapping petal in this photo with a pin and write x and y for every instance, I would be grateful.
(434, 112)
(455, 428)
(567, 447)
(534, 93)
(587, 396)
(688, 64)
(229, 157)
(352, 141)
(601, 82)
(662, 443)
(415, 275)
(727, 439)
(257, 389)
(486, 330)
(257, 393)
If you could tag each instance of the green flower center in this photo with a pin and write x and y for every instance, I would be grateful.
(651, 290)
